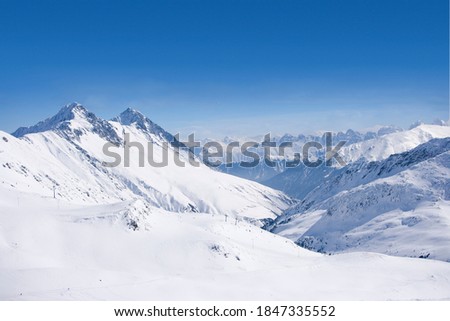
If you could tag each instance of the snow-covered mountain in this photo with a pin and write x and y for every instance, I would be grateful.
(55, 250)
(382, 147)
(131, 117)
(73, 228)
(299, 181)
(373, 144)
(65, 152)
(71, 122)
(399, 205)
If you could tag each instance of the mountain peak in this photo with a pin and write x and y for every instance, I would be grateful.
(134, 117)
(130, 110)
(74, 107)
(131, 116)
(72, 121)
(64, 115)
(71, 111)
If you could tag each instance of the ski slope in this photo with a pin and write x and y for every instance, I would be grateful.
(54, 250)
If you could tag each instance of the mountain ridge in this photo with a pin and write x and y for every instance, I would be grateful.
(376, 206)
(68, 154)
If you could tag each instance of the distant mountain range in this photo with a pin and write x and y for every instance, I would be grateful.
(398, 206)
(371, 144)
(393, 197)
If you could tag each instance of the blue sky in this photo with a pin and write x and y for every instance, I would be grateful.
(227, 67)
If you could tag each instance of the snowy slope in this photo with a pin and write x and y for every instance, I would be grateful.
(65, 152)
(382, 147)
(299, 181)
(55, 250)
(396, 206)
(362, 172)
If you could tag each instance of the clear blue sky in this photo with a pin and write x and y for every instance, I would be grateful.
(227, 67)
